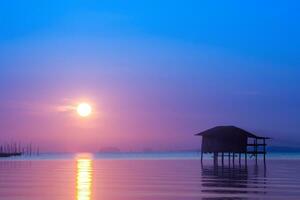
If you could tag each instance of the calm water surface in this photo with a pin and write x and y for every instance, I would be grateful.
(94, 178)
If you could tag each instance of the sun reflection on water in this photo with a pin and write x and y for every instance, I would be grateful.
(84, 179)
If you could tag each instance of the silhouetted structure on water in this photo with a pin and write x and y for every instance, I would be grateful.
(14, 149)
(232, 141)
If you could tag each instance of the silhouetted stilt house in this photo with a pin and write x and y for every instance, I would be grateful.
(232, 141)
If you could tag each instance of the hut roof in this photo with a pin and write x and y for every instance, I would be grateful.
(223, 130)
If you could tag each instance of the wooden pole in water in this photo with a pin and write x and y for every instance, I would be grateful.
(233, 158)
(229, 158)
(245, 158)
(239, 159)
(256, 151)
(222, 158)
(201, 157)
(215, 158)
(19, 148)
(264, 151)
(30, 150)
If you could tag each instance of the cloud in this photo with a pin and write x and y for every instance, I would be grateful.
(67, 105)
(65, 108)
(36, 108)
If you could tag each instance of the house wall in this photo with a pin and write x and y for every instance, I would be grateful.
(237, 144)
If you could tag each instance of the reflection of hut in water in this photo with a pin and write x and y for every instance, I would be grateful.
(223, 180)
(231, 141)
(221, 177)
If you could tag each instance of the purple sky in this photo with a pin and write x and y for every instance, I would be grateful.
(155, 73)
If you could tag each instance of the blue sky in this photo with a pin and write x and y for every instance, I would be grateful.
(160, 70)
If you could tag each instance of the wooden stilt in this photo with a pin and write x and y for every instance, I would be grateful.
(222, 158)
(201, 157)
(216, 158)
(229, 158)
(233, 158)
(239, 159)
(264, 140)
(30, 149)
(255, 150)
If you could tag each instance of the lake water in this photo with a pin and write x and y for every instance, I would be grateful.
(164, 176)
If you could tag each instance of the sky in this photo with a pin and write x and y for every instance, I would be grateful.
(155, 72)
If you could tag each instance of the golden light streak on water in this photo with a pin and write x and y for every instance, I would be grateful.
(84, 179)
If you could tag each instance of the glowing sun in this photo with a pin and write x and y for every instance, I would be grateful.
(84, 109)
